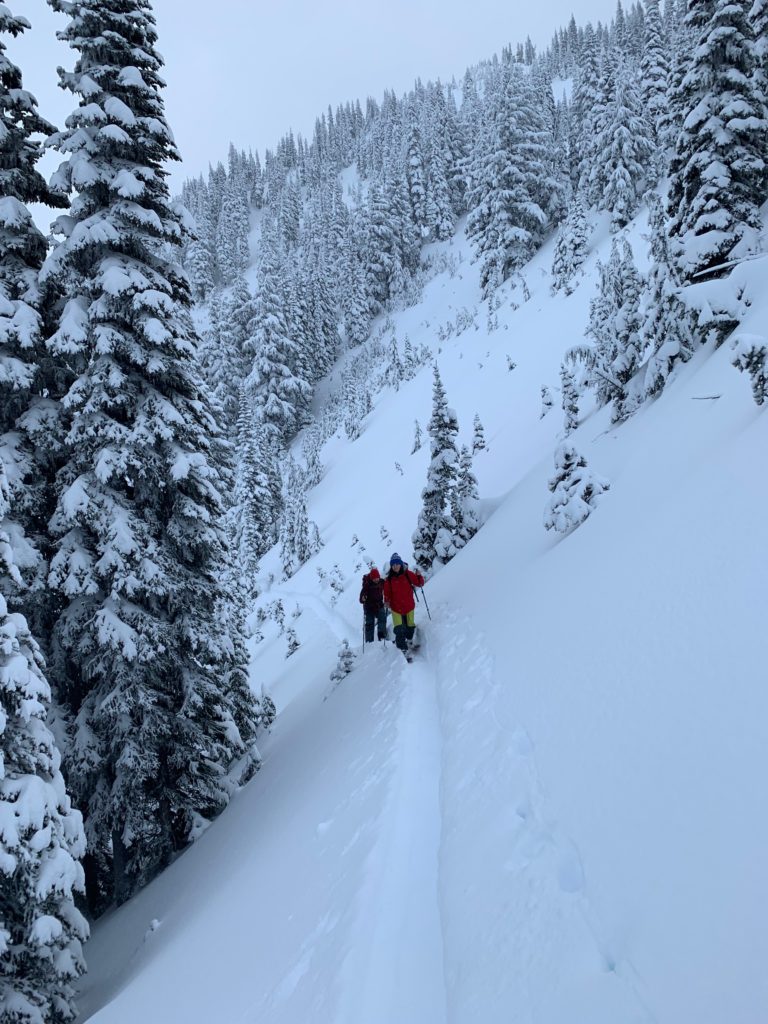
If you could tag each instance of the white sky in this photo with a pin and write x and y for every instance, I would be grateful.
(248, 70)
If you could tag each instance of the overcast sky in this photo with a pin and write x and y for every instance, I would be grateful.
(248, 70)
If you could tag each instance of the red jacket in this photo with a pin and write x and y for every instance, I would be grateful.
(398, 590)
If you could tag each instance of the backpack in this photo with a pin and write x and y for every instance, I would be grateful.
(367, 581)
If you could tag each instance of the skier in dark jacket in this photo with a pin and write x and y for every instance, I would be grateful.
(399, 596)
(372, 600)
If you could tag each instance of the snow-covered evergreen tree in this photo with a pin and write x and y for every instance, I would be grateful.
(290, 213)
(553, 191)
(357, 312)
(575, 490)
(417, 437)
(433, 539)
(299, 539)
(759, 17)
(253, 514)
(594, 183)
(416, 175)
(151, 673)
(311, 447)
(410, 360)
(624, 148)
(667, 323)
(277, 384)
(655, 84)
(626, 328)
(229, 360)
(585, 112)
(29, 383)
(232, 230)
(41, 835)
(22, 245)
(506, 222)
(718, 172)
(478, 435)
(570, 399)
(395, 370)
(570, 248)
(614, 323)
(466, 500)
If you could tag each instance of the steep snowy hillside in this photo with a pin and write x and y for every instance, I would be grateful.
(557, 812)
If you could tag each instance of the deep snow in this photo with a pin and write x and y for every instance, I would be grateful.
(557, 813)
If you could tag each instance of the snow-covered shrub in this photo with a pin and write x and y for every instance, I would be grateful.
(293, 642)
(345, 664)
(751, 357)
(546, 401)
(337, 580)
(575, 490)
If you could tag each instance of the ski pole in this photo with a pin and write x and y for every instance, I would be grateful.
(416, 595)
(426, 605)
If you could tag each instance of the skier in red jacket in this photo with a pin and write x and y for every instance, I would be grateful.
(399, 596)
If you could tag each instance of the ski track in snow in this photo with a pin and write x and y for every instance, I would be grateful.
(395, 968)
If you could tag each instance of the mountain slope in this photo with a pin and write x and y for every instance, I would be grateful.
(556, 813)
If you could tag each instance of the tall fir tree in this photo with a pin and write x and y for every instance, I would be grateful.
(41, 835)
(585, 112)
(478, 435)
(251, 513)
(505, 220)
(614, 323)
(229, 360)
(628, 340)
(232, 230)
(434, 537)
(29, 384)
(655, 83)
(718, 172)
(668, 325)
(570, 399)
(624, 148)
(570, 249)
(759, 18)
(277, 386)
(547, 147)
(465, 506)
(416, 174)
(151, 672)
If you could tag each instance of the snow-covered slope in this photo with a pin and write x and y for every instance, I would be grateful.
(557, 813)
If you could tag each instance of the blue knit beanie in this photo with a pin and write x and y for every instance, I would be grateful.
(395, 559)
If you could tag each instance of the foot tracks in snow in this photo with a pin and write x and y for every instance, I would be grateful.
(521, 939)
